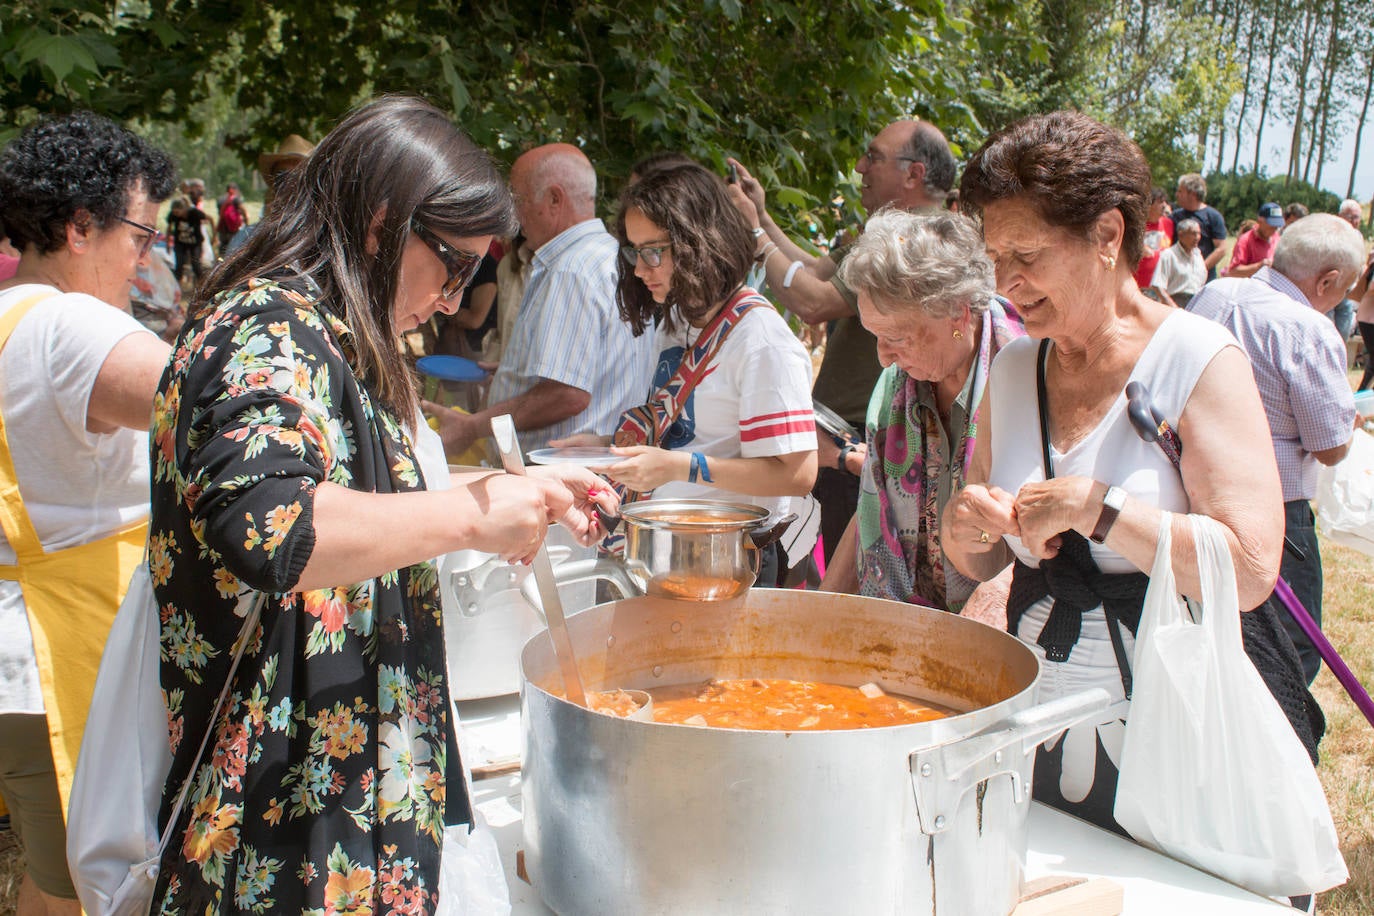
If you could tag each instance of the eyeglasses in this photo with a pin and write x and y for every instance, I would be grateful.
(652, 254)
(147, 244)
(461, 265)
(878, 159)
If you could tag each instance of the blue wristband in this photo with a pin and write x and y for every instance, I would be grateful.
(699, 467)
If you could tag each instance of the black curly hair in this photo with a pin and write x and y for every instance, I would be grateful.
(63, 167)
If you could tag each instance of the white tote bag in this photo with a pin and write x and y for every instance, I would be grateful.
(1212, 773)
(1345, 497)
(113, 847)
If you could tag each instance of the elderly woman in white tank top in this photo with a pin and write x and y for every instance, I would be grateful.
(1063, 201)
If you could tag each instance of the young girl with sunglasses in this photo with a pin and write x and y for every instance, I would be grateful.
(745, 432)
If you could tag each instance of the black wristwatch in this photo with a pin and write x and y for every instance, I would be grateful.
(844, 453)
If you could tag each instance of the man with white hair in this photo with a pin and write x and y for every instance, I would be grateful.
(571, 364)
(1299, 367)
(1181, 270)
(1352, 212)
(1343, 315)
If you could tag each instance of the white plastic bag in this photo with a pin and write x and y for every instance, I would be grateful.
(112, 838)
(1212, 773)
(113, 846)
(472, 881)
(1345, 497)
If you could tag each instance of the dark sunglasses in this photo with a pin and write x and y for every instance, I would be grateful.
(461, 265)
(652, 254)
(147, 243)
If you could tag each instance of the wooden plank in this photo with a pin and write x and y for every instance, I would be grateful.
(1066, 896)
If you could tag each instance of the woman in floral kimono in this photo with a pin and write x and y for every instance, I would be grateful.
(284, 471)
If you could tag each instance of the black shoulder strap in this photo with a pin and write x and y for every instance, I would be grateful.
(1042, 404)
(1123, 664)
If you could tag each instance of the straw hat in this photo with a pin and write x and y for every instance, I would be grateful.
(293, 149)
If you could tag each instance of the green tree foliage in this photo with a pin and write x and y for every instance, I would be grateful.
(57, 56)
(1238, 195)
(1158, 69)
(795, 90)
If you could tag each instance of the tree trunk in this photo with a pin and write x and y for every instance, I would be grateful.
(1309, 30)
(1217, 11)
(1359, 128)
(1268, 82)
(1323, 102)
(1245, 89)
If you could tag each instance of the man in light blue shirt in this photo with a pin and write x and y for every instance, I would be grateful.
(1299, 364)
(571, 365)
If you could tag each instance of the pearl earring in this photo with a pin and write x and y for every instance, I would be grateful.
(1110, 261)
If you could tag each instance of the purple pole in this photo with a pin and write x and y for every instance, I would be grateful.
(1328, 652)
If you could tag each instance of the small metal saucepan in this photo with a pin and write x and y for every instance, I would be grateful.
(697, 549)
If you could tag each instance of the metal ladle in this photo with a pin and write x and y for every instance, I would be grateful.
(508, 446)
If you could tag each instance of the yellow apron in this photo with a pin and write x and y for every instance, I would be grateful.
(71, 596)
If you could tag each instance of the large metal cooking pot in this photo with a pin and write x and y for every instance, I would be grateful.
(635, 817)
(697, 549)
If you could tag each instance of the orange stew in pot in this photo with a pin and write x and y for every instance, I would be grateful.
(769, 704)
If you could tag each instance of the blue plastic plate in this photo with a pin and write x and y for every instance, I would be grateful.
(451, 368)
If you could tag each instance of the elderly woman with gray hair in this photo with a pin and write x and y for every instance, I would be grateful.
(926, 291)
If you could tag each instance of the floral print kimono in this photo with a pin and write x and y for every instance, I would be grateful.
(323, 787)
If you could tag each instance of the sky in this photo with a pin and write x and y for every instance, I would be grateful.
(1278, 135)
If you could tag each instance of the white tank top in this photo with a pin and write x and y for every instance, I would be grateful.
(1169, 366)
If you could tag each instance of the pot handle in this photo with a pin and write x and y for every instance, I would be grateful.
(475, 587)
(599, 569)
(762, 537)
(941, 774)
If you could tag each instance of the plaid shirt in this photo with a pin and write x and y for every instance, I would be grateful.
(1299, 364)
(569, 330)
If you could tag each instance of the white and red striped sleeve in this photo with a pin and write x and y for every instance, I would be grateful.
(775, 413)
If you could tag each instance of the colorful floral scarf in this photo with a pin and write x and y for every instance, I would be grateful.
(898, 519)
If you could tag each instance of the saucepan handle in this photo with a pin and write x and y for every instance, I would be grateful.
(942, 773)
(762, 537)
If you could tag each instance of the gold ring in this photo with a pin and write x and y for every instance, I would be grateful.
(982, 537)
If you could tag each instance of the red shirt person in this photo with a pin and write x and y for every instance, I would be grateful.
(1255, 247)
(1159, 234)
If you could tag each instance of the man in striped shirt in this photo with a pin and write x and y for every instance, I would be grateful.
(571, 364)
(1299, 364)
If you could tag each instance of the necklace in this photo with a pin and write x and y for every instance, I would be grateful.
(688, 344)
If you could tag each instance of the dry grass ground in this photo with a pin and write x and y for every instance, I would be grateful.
(11, 869)
(1347, 752)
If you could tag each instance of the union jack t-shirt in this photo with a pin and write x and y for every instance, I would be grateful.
(755, 401)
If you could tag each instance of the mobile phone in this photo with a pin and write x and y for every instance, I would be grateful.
(732, 175)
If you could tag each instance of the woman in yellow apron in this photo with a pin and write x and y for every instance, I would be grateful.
(77, 380)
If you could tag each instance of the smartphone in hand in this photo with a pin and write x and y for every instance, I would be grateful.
(732, 173)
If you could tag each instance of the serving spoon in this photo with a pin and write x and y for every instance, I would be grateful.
(503, 434)
(508, 446)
